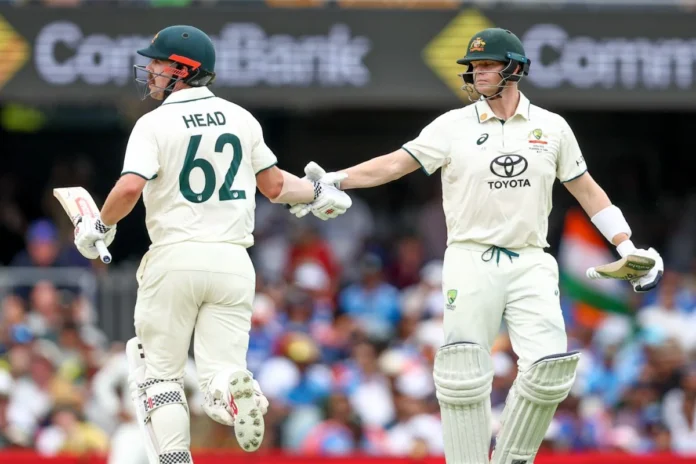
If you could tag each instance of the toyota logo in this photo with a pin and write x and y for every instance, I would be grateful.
(508, 166)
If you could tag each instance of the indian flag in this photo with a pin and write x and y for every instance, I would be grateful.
(582, 246)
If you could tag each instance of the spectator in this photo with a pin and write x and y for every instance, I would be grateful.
(373, 302)
(347, 234)
(31, 399)
(14, 328)
(70, 434)
(405, 268)
(295, 383)
(309, 246)
(295, 378)
(424, 298)
(603, 380)
(265, 331)
(46, 317)
(44, 249)
(312, 278)
(667, 316)
(339, 434)
(679, 413)
(6, 384)
(432, 226)
(301, 316)
(368, 389)
(416, 433)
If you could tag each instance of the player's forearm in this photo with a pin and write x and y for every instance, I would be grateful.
(589, 194)
(119, 203)
(293, 190)
(606, 217)
(379, 171)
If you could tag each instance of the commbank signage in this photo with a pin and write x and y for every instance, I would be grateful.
(348, 58)
(247, 56)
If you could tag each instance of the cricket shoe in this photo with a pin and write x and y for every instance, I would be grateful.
(247, 405)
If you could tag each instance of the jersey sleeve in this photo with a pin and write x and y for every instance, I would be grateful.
(431, 147)
(142, 152)
(571, 163)
(262, 157)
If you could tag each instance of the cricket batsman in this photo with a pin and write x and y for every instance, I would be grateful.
(499, 158)
(197, 160)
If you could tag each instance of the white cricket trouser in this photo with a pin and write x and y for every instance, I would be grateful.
(206, 287)
(481, 291)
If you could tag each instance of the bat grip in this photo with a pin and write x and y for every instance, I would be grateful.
(593, 274)
(103, 251)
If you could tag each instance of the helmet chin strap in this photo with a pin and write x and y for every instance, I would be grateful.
(470, 88)
(508, 73)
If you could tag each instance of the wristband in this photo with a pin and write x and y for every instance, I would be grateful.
(611, 222)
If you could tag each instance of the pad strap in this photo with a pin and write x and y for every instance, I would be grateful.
(161, 393)
(150, 382)
(175, 457)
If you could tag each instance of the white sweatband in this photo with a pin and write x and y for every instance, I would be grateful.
(611, 222)
(295, 190)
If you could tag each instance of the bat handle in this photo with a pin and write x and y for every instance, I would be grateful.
(103, 251)
(593, 274)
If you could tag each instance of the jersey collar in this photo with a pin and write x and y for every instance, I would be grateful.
(186, 95)
(484, 112)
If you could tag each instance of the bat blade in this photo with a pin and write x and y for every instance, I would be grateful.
(629, 267)
(76, 203)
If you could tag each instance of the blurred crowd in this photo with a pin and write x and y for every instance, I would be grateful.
(346, 322)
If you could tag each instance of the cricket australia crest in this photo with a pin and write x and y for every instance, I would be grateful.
(451, 296)
(477, 45)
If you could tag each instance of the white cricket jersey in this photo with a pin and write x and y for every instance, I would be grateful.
(497, 177)
(200, 154)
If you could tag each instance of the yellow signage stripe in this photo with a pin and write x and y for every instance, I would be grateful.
(14, 52)
(442, 53)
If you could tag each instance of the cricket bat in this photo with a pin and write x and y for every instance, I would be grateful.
(629, 267)
(77, 202)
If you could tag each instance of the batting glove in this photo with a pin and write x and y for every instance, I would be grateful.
(313, 172)
(87, 231)
(316, 173)
(329, 202)
(652, 278)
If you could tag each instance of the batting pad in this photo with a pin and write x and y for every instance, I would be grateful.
(161, 410)
(530, 406)
(463, 375)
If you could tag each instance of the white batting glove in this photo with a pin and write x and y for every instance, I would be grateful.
(87, 231)
(313, 172)
(316, 173)
(330, 202)
(652, 278)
